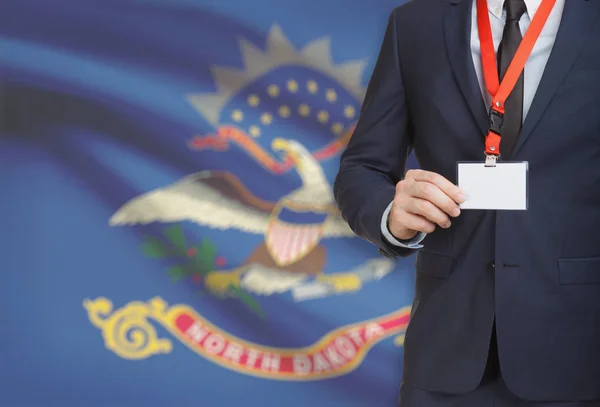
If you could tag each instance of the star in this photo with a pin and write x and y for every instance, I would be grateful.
(284, 111)
(266, 119)
(337, 128)
(349, 112)
(273, 90)
(254, 131)
(237, 115)
(330, 95)
(292, 86)
(253, 100)
(323, 116)
(312, 87)
(304, 110)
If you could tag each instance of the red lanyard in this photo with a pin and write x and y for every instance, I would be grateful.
(501, 91)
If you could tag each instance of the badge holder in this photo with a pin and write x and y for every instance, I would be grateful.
(502, 186)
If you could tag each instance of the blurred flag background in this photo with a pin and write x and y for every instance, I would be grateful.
(169, 235)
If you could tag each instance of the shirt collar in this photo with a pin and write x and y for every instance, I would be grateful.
(496, 7)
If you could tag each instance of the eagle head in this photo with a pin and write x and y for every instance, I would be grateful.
(315, 186)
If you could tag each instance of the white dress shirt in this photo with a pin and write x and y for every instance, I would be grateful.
(534, 68)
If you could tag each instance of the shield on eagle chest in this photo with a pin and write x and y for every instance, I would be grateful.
(294, 231)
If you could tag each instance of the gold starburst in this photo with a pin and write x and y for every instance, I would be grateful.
(279, 52)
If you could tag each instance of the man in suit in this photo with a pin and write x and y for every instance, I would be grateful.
(507, 303)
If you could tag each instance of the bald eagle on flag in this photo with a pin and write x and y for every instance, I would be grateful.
(293, 226)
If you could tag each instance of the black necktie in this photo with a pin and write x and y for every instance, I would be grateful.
(513, 107)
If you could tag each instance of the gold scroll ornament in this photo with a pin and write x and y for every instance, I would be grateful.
(127, 331)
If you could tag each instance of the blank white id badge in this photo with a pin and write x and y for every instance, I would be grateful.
(501, 187)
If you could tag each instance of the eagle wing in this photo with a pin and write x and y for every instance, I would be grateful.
(215, 199)
(336, 226)
(260, 280)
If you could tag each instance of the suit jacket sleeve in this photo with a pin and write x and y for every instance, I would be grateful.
(375, 158)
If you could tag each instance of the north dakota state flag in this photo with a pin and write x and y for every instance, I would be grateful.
(169, 233)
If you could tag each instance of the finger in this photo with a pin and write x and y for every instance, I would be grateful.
(429, 211)
(414, 222)
(442, 183)
(430, 192)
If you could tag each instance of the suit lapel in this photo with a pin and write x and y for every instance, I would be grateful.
(457, 34)
(577, 20)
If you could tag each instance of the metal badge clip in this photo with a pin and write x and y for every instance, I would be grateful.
(490, 160)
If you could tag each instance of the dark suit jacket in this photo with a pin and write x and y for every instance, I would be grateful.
(536, 271)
